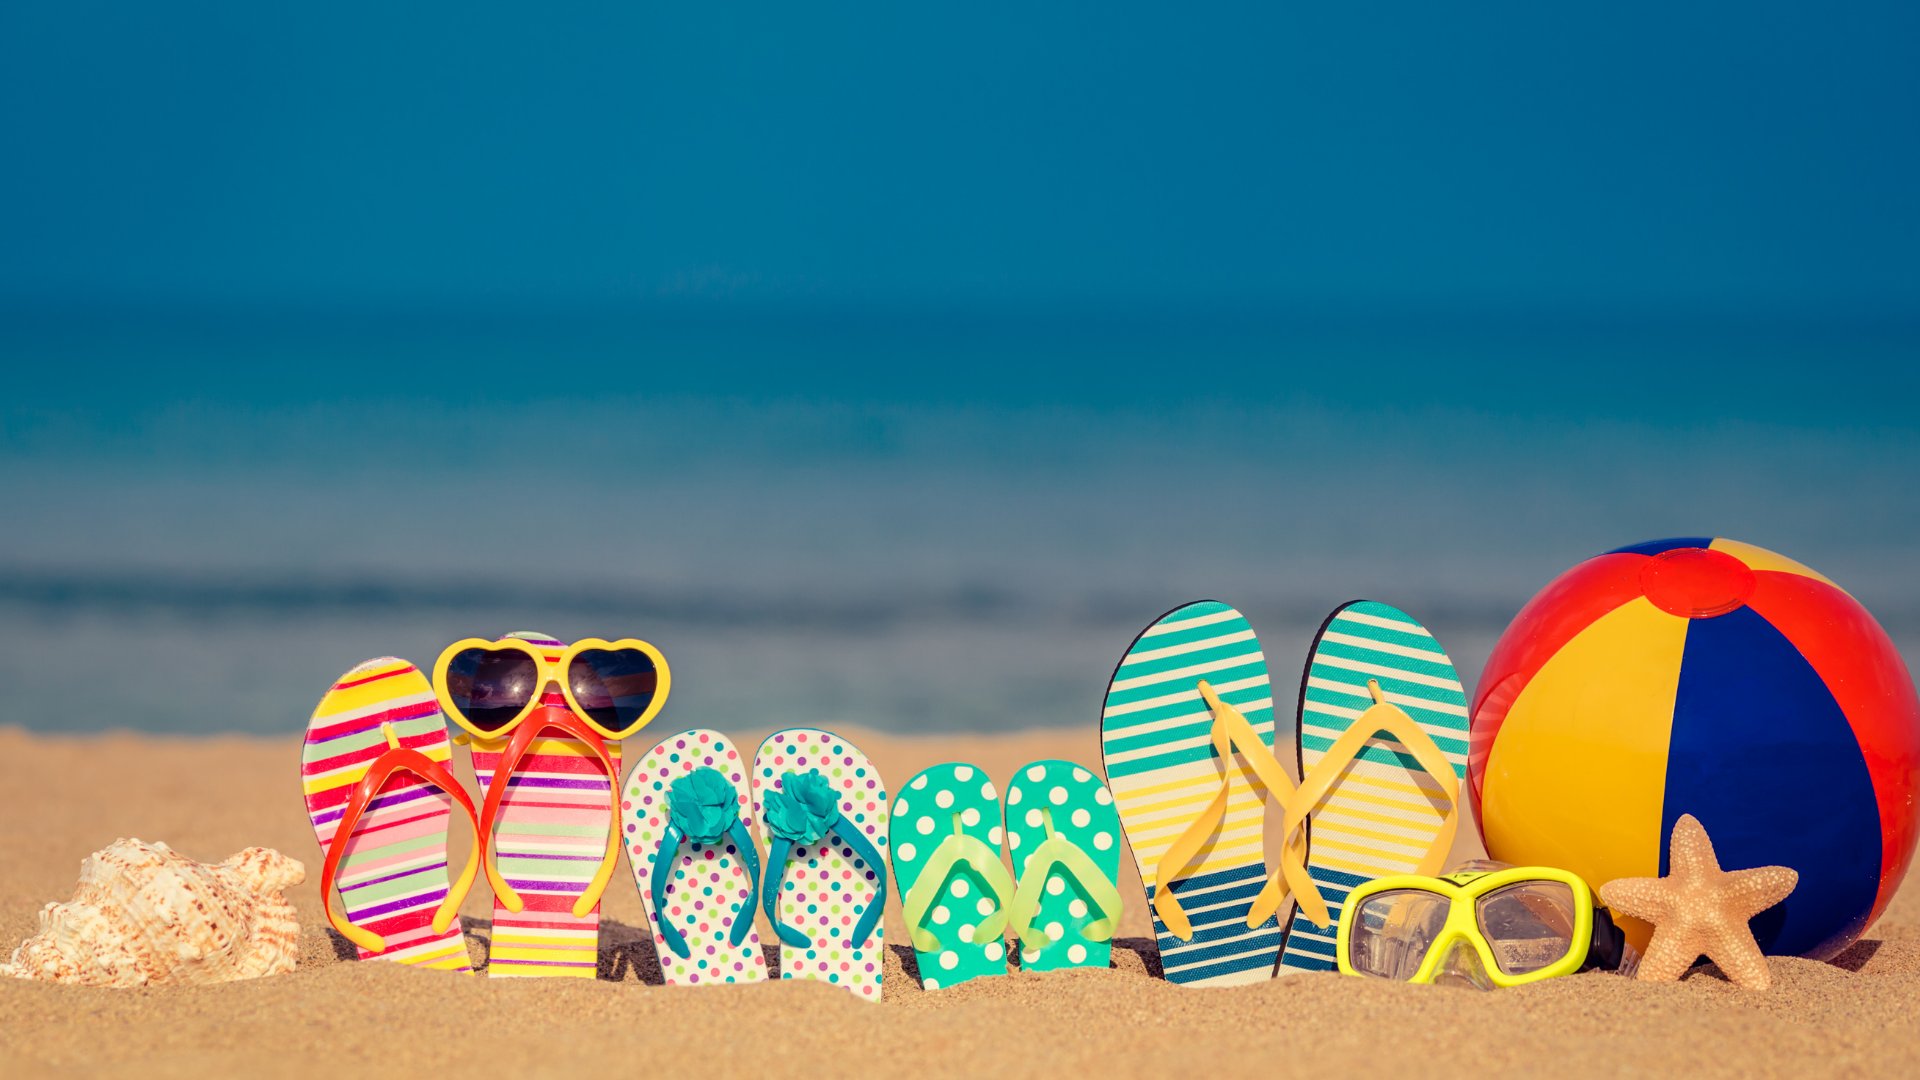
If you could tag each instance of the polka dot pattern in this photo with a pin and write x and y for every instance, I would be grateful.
(827, 887)
(950, 796)
(709, 886)
(1071, 795)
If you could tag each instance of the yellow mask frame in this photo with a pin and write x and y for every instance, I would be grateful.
(1463, 892)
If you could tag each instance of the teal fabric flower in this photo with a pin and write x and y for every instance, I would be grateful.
(804, 808)
(704, 805)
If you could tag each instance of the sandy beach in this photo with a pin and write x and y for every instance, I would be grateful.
(62, 798)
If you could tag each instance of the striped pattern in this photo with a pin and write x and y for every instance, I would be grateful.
(1162, 768)
(394, 873)
(1384, 813)
(548, 839)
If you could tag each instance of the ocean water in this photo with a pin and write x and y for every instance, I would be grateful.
(203, 543)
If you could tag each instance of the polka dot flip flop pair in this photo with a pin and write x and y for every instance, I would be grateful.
(822, 809)
(959, 900)
(684, 819)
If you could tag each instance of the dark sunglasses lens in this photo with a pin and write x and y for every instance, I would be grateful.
(614, 687)
(490, 688)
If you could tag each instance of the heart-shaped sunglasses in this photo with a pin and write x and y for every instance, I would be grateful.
(489, 687)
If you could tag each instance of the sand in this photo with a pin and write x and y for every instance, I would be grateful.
(61, 798)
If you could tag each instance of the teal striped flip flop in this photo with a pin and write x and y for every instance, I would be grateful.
(955, 893)
(1064, 834)
(1156, 738)
(1384, 814)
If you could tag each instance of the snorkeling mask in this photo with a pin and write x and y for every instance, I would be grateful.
(1485, 925)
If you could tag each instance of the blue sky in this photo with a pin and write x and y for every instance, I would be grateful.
(1714, 160)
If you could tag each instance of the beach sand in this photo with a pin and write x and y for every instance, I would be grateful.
(61, 798)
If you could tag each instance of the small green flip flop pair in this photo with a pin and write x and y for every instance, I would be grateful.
(1060, 826)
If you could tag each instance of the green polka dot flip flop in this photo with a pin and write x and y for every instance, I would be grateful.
(946, 860)
(822, 809)
(684, 817)
(1064, 834)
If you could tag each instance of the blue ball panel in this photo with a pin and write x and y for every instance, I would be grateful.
(1655, 547)
(1764, 757)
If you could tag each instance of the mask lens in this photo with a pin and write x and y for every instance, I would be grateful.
(1528, 925)
(1393, 930)
(613, 687)
(491, 688)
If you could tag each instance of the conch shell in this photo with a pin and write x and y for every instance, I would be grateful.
(145, 915)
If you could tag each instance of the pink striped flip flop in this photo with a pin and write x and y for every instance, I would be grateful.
(549, 829)
(373, 768)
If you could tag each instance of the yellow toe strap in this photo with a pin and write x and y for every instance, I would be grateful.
(1381, 716)
(1233, 732)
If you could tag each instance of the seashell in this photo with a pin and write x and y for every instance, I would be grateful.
(145, 915)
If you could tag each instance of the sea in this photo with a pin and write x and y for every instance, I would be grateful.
(926, 526)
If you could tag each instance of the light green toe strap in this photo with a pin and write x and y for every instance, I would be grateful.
(1057, 850)
(928, 888)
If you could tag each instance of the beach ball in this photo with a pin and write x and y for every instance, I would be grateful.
(1708, 677)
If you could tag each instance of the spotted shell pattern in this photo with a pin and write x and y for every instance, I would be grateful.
(145, 915)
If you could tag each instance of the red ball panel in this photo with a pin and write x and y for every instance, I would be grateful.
(1863, 671)
(1696, 583)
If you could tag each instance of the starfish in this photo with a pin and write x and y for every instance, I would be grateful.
(1699, 910)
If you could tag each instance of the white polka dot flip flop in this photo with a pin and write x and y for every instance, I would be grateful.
(683, 812)
(956, 892)
(822, 809)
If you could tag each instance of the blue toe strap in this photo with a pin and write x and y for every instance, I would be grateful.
(670, 842)
(865, 851)
(743, 843)
(777, 854)
(849, 834)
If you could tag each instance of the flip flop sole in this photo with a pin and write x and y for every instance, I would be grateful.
(1385, 811)
(393, 874)
(710, 886)
(927, 811)
(548, 840)
(826, 887)
(1162, 768)
(1083, 813)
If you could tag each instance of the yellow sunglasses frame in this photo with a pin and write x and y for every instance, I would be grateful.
(550, 671)
(1463, 892)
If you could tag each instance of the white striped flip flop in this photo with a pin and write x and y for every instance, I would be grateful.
(1191, 683)
(1382, 748)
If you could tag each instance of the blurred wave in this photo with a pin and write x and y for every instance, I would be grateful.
(199, 598)
(209, 559)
